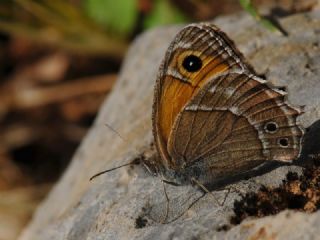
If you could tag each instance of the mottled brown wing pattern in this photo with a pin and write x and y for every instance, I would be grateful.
(175, 86)
(237, 121)
(213, 113)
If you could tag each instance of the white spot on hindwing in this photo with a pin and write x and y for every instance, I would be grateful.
(234, 110)
(229, 91)
(192, 107)
(213, 89)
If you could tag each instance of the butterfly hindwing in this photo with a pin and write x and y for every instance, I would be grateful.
(222, 127)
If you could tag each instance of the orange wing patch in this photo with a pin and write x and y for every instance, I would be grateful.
(176, 93)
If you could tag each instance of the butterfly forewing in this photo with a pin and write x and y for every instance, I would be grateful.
(175, 86)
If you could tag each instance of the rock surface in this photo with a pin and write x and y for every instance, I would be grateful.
(129, 203)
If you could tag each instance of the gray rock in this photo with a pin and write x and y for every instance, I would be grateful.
(129, 203)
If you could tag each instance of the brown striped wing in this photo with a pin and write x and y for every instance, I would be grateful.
(175, 86)
(234, 123)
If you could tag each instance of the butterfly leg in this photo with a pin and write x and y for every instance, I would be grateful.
(238, 191)
(167, 203)
(195, 181)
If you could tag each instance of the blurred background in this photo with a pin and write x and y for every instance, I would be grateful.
(58, 61)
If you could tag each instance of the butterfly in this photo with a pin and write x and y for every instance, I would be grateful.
(213, 117)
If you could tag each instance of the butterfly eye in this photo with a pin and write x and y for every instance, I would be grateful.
(271, 127)
(192, 63)
(284, 142)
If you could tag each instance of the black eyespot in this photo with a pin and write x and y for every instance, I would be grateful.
(192, 63)
(284, 142)
(271, 127)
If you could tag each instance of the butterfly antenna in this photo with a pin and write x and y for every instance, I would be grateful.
(113, 130)
(135, 161)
